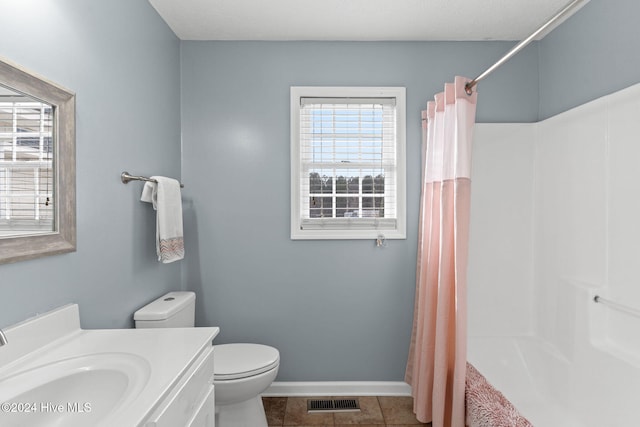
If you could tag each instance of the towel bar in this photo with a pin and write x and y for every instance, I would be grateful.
(125, 177)
(617, 306)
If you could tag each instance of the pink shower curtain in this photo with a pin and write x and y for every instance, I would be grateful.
(437, 355)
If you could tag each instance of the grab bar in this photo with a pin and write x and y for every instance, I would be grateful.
(125, 178)
(620, 307)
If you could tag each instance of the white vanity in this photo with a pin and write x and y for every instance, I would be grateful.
(52, 372)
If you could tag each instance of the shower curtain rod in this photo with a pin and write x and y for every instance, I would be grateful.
(517, 48)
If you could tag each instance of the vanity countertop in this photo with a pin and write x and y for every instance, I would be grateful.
(161, 357)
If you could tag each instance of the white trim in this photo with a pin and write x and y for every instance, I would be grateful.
(338, 388)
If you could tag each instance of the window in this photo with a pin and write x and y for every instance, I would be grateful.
(26, 167)
(347, 163)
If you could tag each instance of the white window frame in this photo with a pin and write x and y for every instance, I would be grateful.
(359, 228)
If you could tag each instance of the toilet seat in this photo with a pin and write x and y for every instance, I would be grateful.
(235, 361)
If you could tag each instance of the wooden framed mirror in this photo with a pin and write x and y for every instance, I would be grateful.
(37, 166)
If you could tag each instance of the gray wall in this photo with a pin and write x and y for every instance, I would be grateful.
(122, 61)
(337, 310)
(592, 54)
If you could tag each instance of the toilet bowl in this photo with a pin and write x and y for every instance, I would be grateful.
(241, 371)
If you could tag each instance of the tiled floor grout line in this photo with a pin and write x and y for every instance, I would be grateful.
(381, 411)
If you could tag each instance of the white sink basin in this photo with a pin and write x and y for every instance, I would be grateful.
(55, 374)
(78, 391)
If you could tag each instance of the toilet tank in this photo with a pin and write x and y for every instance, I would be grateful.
(173, 310)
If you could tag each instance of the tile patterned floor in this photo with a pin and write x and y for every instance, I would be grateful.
(374, 412)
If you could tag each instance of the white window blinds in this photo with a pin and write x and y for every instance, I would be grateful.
(348, 166)
(26, 167)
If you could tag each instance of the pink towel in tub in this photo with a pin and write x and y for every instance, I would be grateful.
(486, 406)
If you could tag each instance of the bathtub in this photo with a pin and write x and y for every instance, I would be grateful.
(596, 389)
(529, 373)
(538, 257)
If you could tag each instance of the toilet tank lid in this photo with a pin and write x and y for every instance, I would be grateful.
(165, 306)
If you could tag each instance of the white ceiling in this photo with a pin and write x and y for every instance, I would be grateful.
(355, 19)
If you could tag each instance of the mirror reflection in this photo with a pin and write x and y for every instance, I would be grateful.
(26, 165)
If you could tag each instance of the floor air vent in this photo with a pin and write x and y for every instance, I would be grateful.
(333, 405)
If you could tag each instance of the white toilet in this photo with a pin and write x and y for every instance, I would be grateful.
(241, 371)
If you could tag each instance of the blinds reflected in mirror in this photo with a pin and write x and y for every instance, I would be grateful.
(26, 165)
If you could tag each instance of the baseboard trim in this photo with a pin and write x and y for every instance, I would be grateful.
(338, 388)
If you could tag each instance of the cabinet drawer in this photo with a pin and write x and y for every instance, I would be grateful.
(186, 397)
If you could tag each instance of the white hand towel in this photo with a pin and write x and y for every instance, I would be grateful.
(166, 200)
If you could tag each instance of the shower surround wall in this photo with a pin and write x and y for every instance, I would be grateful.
(500, 242)
(586, 203)
(583, 356)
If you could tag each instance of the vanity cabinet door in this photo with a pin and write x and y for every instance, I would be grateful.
(206, 414)
(186, 399)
